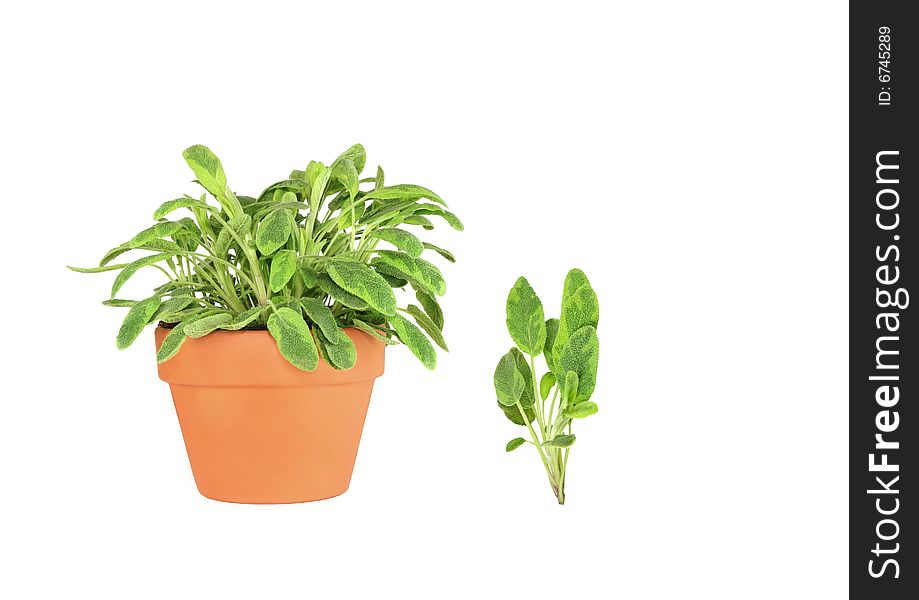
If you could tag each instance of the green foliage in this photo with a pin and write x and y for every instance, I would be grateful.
(525, 318)
(416, 341)
(514, 444)
(365, 283)
(295, 342)
(509, 382)
(300, 260)
(571, 350)
(401, 239)
(208, 324)
(136, 319)
(580, 356)
(546, 384)
(283, 267)
(562, 440)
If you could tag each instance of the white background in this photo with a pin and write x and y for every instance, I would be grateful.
(690, 157)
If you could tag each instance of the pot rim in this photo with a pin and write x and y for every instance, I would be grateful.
(228, 359)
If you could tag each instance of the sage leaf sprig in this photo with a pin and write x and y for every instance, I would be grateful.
(548, 405)
(301, 260)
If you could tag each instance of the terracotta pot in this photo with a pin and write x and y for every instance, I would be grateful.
(260, 431)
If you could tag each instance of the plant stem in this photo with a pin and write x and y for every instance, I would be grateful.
(545, 462)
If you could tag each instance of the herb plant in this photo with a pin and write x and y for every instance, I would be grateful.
(301, 259)
(571, 350)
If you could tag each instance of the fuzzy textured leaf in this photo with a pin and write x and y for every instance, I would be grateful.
(341, 354)
(416, 270)
(295, 342)
(563, 440)
(273, 232)
(320, 314)
(445, 253)
(431, 307)
(404, 191)
(207, 169)
(401, 239)
(136, 266)
(581, 355)
(373, 332)
(171, 307)
(98, 269)
(208, 324)
(283, 267)
(429, 327)
(416, 341)
(137, 318)
(513, 413)
(525, 318)
(509, 382)
(581, 410)
(580, 307)
(172, 205)
(173, 340)
(365, 283)
(339, 294)
(246, 318)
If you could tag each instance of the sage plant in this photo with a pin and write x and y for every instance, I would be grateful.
(301, 260)
(571, 349)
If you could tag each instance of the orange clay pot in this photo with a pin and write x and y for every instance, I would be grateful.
(260, 431)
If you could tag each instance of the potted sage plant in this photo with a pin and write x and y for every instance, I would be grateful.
(274, 313)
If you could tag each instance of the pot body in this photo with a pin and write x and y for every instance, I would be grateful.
(260, 431)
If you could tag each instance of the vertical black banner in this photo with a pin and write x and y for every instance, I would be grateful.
(883, 365)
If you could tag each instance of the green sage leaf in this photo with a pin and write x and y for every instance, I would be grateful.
(207, 169)
(431, 306)
(581, 410)
(445, 253)
(132, 268)
(514, 444)
(171, 307)
(562, 440)
(172, 205)
(401, 239)
(509, 382)
(283, 267)
(580, 307)
(98, 269)
(295, 342)
(546, 384)
(581, 355)
(119, 302)
(246, 318)
(525, 318)
(208, 324)
(136, 319)
(340, 354)
(374, 332)
(419, 220)
(174, 340)
(365, 283)
(238, 225)
(551, 334)
(339, 294)
(322, 316)
(356, 154)
(404, 191)
(513, 413)
(428, 325)
(416, 341)
(273, 232)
